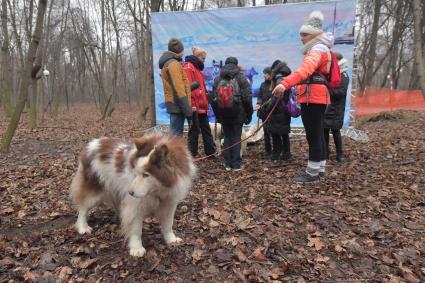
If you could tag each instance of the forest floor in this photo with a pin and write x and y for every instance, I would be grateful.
(364, 222)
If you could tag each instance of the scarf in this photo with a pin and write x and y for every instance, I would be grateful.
(195, 61)
(325, 38)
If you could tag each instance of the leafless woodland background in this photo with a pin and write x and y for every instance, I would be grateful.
(99, 52)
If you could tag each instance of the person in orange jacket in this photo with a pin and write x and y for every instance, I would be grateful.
(313, 97)
(193, 66)
(176, 86)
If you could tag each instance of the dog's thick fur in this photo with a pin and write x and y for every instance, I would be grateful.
(146, 177)
(218, 137)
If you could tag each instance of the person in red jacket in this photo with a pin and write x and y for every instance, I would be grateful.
(193, 66)
(313, 97)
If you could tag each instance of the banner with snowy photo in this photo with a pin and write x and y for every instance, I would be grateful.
(257, 36)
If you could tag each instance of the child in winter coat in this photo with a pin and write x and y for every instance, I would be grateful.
(280, 121)
(264, 94)
(334, 115)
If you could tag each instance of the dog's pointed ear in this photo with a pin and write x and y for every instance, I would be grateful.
(140, 143)
(159, 154)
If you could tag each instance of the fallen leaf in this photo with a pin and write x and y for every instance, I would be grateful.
(30, 276)
(258, 255)
(339, 249)
(197, 255)
(318, 245)
(387, 260)
(244, 224)
(7, 210)
(322, 259)
(7, 261)
(215, 213)
(21, 214)
(369, 243)
(64, 274)
(240, 255)
(275, 273)
(213, 223)
(87, 263)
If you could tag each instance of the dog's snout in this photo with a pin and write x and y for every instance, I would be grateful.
(131, 193)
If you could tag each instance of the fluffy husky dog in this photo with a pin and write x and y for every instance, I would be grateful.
(146, 177)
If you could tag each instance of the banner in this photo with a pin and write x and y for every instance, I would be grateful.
(257, 36)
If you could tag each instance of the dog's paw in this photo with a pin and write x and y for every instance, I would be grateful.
(173, 240)
(83, 229)
(138, 252)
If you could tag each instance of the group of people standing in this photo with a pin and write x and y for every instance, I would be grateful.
(186, 98)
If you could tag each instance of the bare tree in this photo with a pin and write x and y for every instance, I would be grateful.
(5, 79)
(26, 76)
(418, 10)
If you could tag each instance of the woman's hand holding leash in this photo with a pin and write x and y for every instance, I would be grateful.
(279, 90)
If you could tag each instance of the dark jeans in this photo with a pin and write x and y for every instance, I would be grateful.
(200, 124)
(232, 135)
(267, 141)
(337, 140)
(312, 116)
(280, 144)
(177, 124)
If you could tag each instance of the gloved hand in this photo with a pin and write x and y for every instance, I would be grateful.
(194, 85)
(248, 120)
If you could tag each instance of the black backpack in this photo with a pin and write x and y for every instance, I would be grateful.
(228, 97)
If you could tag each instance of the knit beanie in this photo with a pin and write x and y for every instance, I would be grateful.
(267, 70)
(175, 45)
(313, 24)
(231, 60)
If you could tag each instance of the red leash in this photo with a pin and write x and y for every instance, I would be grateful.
(233, 145)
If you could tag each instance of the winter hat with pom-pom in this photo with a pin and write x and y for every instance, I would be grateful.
(313, 24)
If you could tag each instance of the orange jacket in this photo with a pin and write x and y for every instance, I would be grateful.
(176, 84)
(317, 59)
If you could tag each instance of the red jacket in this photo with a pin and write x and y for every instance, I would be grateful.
(199, 95)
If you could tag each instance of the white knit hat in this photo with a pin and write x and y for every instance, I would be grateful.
(313, 24)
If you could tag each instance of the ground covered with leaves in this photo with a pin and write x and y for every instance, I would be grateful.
(364, 222)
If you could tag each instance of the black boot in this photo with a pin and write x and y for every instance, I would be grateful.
(275, 156)
(338, 145)
(285, 156)
(267, 155)
(340, 156)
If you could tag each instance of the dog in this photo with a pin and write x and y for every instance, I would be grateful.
(218, 138)
(146, 177)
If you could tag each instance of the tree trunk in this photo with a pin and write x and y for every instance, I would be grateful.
(26, 77)
(6, 78)
(371, 55)
(419, 54)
